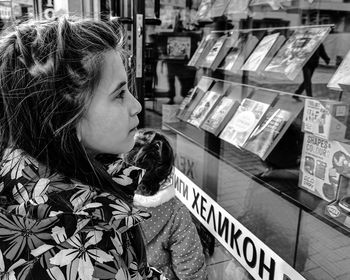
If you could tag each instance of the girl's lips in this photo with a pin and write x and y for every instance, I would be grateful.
(133, 130)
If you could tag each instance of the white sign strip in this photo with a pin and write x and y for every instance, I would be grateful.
(258, 259)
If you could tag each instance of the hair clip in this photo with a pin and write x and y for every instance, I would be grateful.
(159, 146)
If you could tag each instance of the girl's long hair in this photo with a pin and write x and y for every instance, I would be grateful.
(48, 71)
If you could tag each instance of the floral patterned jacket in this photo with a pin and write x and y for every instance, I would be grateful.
(52, 227)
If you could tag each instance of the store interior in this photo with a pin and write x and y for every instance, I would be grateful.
(255, 98)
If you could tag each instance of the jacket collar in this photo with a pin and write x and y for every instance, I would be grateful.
(162, 196)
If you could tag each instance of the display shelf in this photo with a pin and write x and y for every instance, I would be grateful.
(256, 179)
(251, 166)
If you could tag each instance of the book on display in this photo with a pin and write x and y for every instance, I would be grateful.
(248, 115)
(202, 45)
(207, 47)
(273, 126)
(218, 8)
(227, 46)
(296, 51)
(207, 102)
(274, 4)
(203, 10)
(191, 100)
(264, 52)
(209, 60)
(225, 108)
(237, 7)
(202, 109)
(239, 52)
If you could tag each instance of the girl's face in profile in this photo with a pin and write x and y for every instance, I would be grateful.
(110, 122)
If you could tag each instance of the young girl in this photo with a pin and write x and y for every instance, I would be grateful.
(64, 100)
(173, 245)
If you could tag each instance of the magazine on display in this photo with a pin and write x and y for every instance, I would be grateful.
(207, 102)
(237, 7)
(227, 46)
(241, 49)
(218, 8)
(202, 109)
(246, 118)
(274, 4)
(273, 126)
(264, 52)
(203, 10)
(248, 115)
(225, 109)
(209, 60)
(206, 49)
(190, 101)
(202, 45)
(341, 78)
(296, 51)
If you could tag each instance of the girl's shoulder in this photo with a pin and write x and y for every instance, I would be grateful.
(163, 196)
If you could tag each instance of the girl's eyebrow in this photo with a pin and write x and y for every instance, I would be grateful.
(118, 87)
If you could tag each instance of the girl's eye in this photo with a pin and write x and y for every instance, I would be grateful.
(120, 94)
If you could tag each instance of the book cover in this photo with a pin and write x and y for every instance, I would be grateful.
(214, 51)
(341, 77)
(203, 10)
(239, 52)
(178, 47)
(195, 97)
(202, 109)
(227, 46)
(200, 49)
(210, 98)
(326, 118)
(205, 83)
(264, 52)
(190, 101)
(246, 118)
(322, 163)
(295, 52)
(206, 49)
(233, 52)
(237, 7)
(218, 8)
(273, 126)
(274, 4)
(224, 109)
